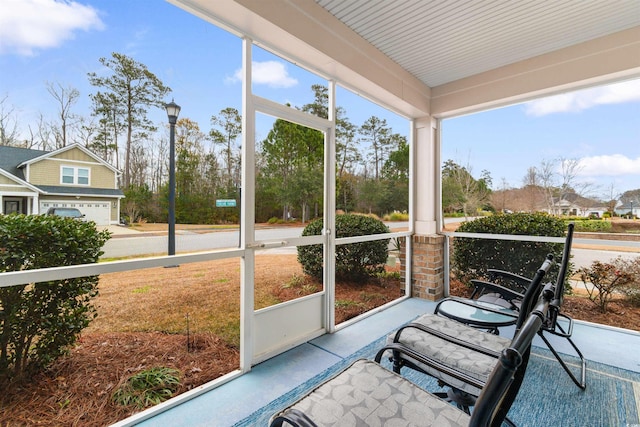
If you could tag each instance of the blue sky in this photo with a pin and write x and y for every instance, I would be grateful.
(60, 42)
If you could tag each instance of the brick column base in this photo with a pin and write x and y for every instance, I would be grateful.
(427, 267)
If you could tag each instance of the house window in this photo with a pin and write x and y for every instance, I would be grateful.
(73, 175)
(83, 176)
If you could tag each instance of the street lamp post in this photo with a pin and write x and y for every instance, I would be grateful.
(173, 110)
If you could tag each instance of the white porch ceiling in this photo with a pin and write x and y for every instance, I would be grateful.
(444, 57)
(440, 41)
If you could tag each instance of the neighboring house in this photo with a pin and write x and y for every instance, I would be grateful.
(32, 181)
(630, 207)
(575, 205)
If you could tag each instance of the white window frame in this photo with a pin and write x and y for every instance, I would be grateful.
(76, 175)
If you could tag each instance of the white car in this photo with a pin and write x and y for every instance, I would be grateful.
(66, 212)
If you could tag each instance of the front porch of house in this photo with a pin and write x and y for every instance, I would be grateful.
(287, 345)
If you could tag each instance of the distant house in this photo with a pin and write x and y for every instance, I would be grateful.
(629, 207)
(32, 181)
(575, 205)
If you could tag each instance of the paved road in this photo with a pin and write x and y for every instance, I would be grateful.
(584, 257)
(134, 245)
(123, 245)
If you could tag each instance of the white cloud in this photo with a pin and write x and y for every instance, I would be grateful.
(271, 73)
(609, 165)
(581, 100)
(29, 25)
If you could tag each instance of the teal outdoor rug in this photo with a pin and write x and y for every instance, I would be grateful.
(547, 397)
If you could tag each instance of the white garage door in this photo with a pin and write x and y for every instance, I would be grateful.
(99, 212)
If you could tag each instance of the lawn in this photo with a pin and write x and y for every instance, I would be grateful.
(186, 318)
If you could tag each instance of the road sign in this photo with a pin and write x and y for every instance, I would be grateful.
(225, 203)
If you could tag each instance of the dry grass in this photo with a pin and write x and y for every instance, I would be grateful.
(142, 323)
(207, 294)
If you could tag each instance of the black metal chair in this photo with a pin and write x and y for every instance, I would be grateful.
(453, 350)
(368, 394)
(508, 295)
(457, 355)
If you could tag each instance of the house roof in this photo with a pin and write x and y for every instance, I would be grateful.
(13, 160)
(72, 191)
(76, 146)
(11, 157)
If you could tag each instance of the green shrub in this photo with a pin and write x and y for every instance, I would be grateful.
(274, 220)
(354, 261)
(593, 226)
(472, 257)
(397, 216)
(39, 321)
(148, 388)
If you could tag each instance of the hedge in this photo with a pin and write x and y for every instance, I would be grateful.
(471, 258)
(354, 261)
(39, 321)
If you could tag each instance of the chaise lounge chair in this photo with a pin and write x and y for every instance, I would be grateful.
(461, 356)
(366, 394)
(458, 355)
(507, 296)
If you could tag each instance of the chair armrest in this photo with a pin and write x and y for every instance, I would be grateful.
(408, 352)
(521, 281)
(481, 287)
(473, 303)
(556, 329)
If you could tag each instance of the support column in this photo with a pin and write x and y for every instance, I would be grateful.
(428, 267)
(427, 259)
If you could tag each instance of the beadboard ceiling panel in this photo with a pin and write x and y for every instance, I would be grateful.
(439, 41)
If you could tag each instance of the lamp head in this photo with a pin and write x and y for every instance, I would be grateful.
(173, 110)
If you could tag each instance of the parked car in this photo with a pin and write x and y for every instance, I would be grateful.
(66, 212)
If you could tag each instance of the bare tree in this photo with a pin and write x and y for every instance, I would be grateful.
(611, 197)
(461, 189)
(8, 123)
(227, 129)
(66, 97)
(546, 177)
(532, 188)
(86, 131)
(42, 136)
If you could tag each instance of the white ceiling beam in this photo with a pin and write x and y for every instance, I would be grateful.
(608, 59)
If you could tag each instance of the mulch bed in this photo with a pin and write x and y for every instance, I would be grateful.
(76, 390)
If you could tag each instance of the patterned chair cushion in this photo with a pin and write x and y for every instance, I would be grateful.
(464, 360)
(497, 299)
(366, 394)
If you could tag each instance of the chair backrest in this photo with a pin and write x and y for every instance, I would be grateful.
(535, 285)
(533, 291)
(504, 383)
(556, 303)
